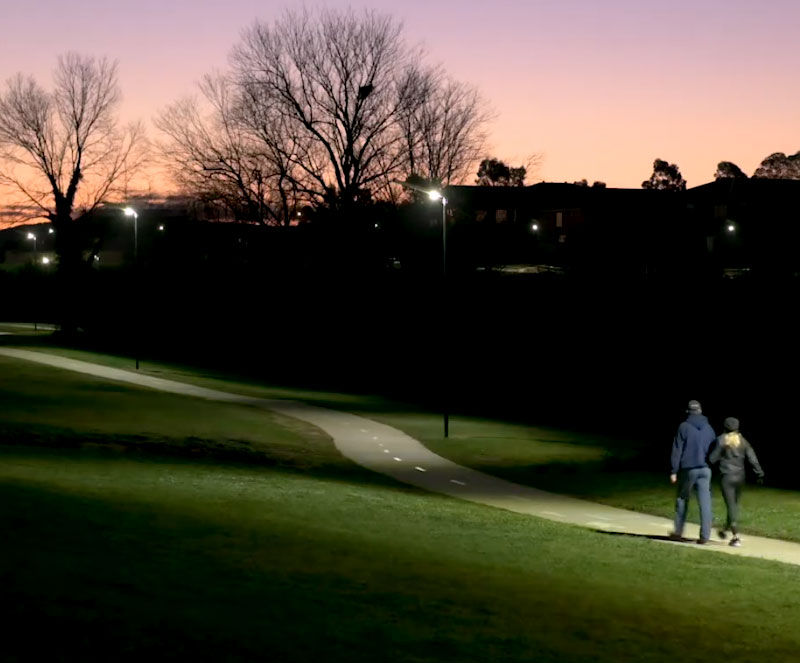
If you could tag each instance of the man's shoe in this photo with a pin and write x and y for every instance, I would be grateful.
(722, 534)
(702, 542)
(735, 542)
(675, 537)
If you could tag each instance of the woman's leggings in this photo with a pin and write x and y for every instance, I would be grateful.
(731, 491)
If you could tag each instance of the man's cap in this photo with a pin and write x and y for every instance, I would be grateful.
(694, 407)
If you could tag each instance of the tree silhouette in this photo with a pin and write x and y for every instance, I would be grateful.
(62, 152)
(349, 106)
(445, 134)
(726, 170)
(778, 166)
(665, 177)
(214, 153)
(493, 172)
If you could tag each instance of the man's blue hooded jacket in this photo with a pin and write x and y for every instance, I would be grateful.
(692, 442)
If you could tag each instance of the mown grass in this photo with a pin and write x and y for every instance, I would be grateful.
(126, 549)
(620, 472)
(122, 559)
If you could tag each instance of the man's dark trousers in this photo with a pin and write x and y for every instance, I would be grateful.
(698, 478)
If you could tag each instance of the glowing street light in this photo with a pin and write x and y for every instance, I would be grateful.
(731, 228)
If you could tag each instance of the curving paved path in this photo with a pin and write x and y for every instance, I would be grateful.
(384, 449)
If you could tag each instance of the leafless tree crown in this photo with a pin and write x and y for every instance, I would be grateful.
(327, 108)
(63, 150)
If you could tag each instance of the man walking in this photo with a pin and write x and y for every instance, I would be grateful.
(691, 471)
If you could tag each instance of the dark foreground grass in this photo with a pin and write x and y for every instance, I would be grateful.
(111, 558)
(123, 554)
(145, 551)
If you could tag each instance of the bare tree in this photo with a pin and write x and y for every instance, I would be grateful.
(445, 135)
(218, 157)
(62, 151)
(343, 86)
(321, 108)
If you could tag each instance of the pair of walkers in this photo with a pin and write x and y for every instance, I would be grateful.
(694, 448)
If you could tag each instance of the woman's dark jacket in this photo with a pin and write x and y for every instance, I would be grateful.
(731, 456)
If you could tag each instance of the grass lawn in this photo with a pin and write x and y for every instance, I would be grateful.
(145, 525)
(613, 471)
(619, 473)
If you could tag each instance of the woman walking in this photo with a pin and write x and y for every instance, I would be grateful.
(731, 451)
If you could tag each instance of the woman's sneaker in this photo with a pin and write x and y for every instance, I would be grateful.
(735, 542)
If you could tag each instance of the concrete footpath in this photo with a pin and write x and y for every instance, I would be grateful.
(384, 449)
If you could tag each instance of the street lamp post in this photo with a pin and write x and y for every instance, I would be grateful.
(129, 211)
(35, 260)
(438, 195)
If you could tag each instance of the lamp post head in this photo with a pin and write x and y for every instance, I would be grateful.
(435, 195)
(129, 211)
(31, 236)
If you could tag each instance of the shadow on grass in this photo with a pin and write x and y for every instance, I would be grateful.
(661, 537)
(110, 578)
(185, 453)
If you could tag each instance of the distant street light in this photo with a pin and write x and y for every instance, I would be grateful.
(731, 228)
(35, 260)
(129, 211)
(45, 260)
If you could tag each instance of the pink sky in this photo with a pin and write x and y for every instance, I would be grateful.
(600, 89)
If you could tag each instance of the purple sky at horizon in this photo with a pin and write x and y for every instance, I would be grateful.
(599, 89)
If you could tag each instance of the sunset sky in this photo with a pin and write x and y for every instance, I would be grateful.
(599, 89)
